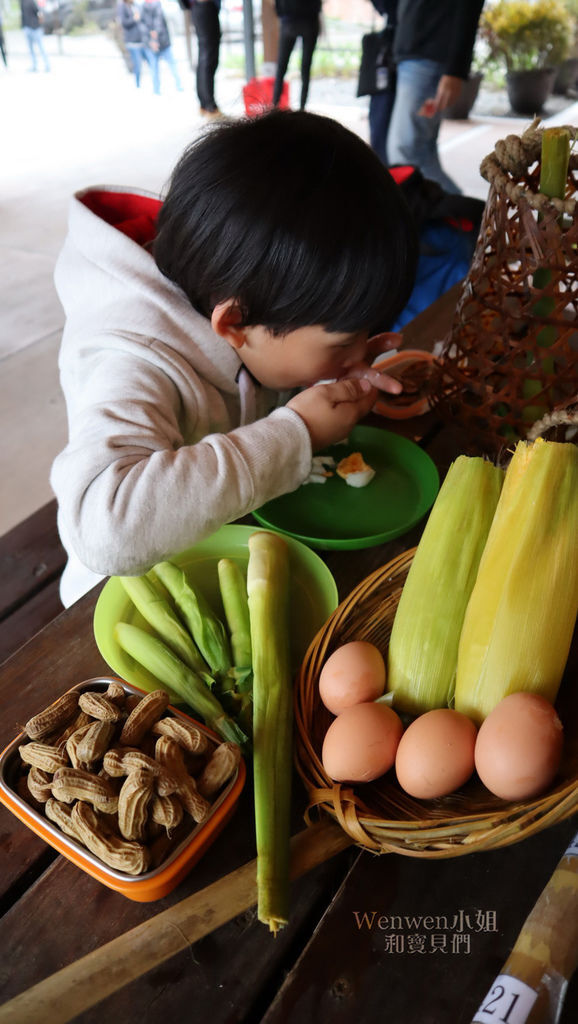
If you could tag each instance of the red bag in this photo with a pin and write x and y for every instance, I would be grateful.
(258, 96)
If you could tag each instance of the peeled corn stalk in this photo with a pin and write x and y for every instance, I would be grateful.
(206, 629)
(171, 671)
(520, 618)
(268, 592)
(423, 648)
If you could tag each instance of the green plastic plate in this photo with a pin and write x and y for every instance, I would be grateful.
(313, 597)
(333, 515)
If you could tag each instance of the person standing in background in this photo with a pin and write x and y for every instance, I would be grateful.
(205, 18)
(433, 49)
(32, 25)
(298, 18)
(381, 103)
(2, 43)
(157, 43)
(128, 17)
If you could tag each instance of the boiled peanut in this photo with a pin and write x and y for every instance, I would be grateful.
(170, 755)
(95, 742)
(146, 713)
(167, 811)
(53, 717)
(42, 756)
(39, 784)
(61, 815)
(184, 733)
(221, 765)
(98, 706)
(120, 854)
(133, 802)
(71, 784)
(73, 742)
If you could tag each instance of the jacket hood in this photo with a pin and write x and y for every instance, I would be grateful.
(106, 275)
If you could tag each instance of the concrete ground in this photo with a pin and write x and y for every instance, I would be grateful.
(85, 123)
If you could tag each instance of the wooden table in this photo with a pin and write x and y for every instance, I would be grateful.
(334, 963)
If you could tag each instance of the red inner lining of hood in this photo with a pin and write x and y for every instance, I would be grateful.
(135, 216)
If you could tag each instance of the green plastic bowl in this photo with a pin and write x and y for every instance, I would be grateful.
(334, 516)
(313, 597)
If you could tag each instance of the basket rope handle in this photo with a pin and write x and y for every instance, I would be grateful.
(558, 418)
(510, 160)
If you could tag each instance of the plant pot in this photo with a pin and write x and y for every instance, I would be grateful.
(529, 90)
(460, 110)
(566, 76)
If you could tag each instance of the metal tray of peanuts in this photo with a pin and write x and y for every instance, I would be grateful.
(128, 788)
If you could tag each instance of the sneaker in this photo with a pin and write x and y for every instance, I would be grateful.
(212, 115)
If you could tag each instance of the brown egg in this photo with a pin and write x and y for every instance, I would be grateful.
(353, 674)
(519, 747)
(436, 754)
(360, 744)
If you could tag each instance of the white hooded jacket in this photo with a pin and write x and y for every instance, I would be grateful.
(169, 437)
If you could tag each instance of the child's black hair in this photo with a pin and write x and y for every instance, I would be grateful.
(295, 218)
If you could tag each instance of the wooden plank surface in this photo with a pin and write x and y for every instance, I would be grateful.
(23, 623)
(31, 556)
(403, 962)
(66, 914)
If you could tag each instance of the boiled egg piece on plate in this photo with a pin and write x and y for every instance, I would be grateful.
(355, 471)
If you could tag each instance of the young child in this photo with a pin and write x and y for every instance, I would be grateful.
(281, 247)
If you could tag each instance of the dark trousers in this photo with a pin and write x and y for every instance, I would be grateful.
(380, 108)
(290, 31)
(205, 17)
(3, 47)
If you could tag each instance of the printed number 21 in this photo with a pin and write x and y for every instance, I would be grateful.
(497, 992)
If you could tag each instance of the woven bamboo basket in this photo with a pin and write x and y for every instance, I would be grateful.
(511, 355)
(379, 816)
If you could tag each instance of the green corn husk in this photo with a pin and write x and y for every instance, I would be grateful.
(158, 613)
(521, 614)
(423, 648)
(233, 588)
(170, 671)
(268, 592)
(206, 628)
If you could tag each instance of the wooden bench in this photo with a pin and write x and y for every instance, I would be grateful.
(31, 562)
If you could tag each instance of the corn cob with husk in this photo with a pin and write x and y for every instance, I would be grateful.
(521, 614)
(170, 671)
(205, 627)
(155, 609)
(268, 593)
(424, 641)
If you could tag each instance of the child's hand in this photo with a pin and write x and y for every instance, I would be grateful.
(330, 411)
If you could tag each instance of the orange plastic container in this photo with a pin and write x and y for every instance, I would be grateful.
(143, 888)
(389, 405)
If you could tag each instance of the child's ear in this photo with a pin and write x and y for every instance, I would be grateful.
(225, 321)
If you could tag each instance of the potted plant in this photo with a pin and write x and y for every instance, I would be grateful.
(567, 71)
(530, 37)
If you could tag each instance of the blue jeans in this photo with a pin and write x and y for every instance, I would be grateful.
(153, 57)
(35, 40)
(413, 139)
(137, 55)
